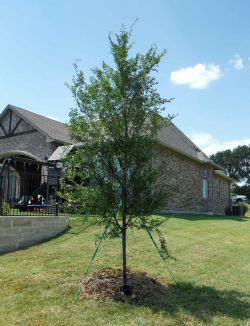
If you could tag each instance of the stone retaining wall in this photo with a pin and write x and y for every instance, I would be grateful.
(20, 231)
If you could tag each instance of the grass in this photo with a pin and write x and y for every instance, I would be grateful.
(212, 270)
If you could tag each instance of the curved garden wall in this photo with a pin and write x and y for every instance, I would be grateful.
(20, 231)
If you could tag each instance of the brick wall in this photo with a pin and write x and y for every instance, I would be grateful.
(185, 177)
(34, 143)
(219, 194)
(182, 174)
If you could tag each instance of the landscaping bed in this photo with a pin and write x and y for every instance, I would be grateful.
(106, 284)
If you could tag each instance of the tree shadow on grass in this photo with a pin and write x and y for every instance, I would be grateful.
(202, 302)
(77, 229)
(193, 217)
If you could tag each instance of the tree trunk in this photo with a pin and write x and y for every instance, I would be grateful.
(125, 288)
(124, 244)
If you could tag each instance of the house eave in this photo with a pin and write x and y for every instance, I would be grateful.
(223, 176)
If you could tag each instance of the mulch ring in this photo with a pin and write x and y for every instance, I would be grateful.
(105, 284)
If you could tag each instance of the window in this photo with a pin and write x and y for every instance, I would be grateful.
(205, 188)
(218, 189)
(205, 184)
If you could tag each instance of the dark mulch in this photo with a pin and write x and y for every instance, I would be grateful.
(106, 284)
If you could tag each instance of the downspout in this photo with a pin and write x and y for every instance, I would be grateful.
(229, 199)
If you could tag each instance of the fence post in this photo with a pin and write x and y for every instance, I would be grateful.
(1, 201)
(56, 209)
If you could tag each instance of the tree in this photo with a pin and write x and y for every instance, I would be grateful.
(114, 173)
(236, 162)
(242, 190)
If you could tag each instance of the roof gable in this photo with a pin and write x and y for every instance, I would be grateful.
(52, 129)
(11, 124)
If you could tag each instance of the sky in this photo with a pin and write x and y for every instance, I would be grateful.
(206, 69)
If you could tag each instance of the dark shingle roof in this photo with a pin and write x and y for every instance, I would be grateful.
(174, 138)
(169, 136)
(55, 130)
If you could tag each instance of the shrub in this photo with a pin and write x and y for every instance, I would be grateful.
(5, 208)
(244, 207)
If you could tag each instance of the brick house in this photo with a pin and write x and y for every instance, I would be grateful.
(27, 140)
(199, 184)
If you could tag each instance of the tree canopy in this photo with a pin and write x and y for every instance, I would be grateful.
(114, 172)
(236, 162)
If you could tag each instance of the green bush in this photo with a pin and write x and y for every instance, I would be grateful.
(244, 207)
(5, 208)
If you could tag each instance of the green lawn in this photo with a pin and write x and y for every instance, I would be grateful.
(212, 269)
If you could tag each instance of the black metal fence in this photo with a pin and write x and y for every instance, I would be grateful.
(28, 187)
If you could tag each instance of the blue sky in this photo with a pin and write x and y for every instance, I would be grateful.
(206, 69)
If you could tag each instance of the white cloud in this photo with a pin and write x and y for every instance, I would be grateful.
(198, 76)
(237, 62)
(211, 145)
(201, 139)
